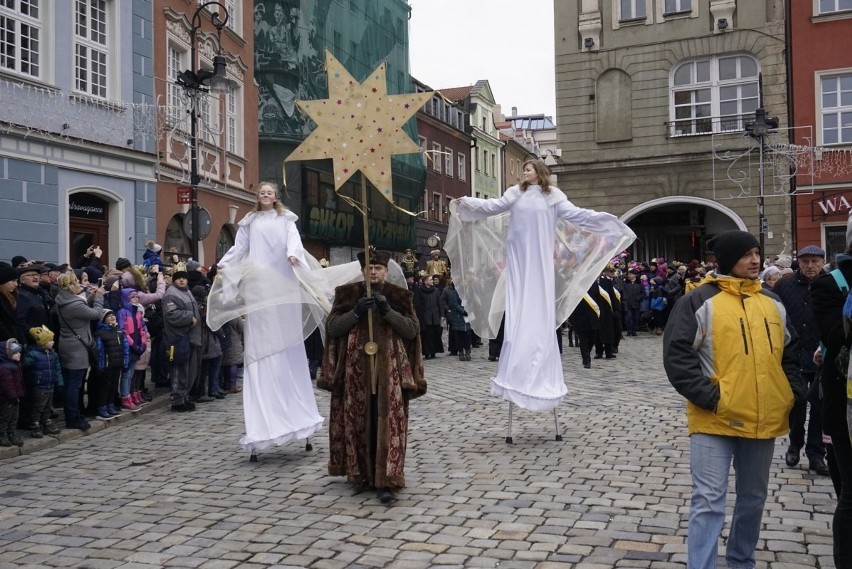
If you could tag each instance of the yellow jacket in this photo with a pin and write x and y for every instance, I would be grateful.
(729, 350)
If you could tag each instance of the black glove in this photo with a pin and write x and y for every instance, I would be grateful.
(364, 304)
(464, 312)
(381, 303)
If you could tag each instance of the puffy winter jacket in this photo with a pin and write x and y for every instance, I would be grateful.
(41, 368)
(113, 350)
(11, 380)
(131, 321)
(730, 350)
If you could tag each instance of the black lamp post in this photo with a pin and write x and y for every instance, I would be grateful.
(760, 128)
(195, 84)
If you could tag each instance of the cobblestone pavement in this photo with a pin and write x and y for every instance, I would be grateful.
(173, 490)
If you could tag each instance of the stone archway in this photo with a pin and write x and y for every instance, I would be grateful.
(677, 227)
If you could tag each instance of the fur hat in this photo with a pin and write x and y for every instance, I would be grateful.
(65, 280)
(192, 265)
(32, 269)
(376, 257)
(42, 335)
(106, 312)
(155, 247)
(7, 273)
(13, 347)
(729, 247)
(179, 272)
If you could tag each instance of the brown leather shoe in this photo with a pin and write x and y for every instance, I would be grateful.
(235, 390)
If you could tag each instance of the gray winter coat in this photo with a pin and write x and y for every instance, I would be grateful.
(179, 308)
(232, 351)
(75, 319)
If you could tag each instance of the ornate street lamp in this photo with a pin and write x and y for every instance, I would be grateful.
(195, 84)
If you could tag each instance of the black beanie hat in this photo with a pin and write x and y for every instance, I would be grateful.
(729, 247)
(7, 273)
(17, 260)
(121, 263)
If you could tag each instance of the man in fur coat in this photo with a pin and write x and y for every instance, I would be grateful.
(368, 431)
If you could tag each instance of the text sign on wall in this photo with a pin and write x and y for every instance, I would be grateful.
(87, 206)
(830, 205)
(184, 195)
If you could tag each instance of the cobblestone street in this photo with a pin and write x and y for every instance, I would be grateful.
(169, 489)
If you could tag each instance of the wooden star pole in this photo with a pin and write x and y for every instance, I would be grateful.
(360, 127)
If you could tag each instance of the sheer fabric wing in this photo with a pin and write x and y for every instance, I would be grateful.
(245, 287)
(478, 250)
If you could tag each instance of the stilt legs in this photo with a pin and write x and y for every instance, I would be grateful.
(509, 437)
(253, 457)
(309, 446)
(556, 424)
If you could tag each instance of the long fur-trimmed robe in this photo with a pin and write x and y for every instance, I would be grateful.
(346, 375)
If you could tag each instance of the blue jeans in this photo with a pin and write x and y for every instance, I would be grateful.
(127, 375)
(73, 384)
(710, 463)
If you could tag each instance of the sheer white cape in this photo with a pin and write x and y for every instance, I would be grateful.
(476, 247)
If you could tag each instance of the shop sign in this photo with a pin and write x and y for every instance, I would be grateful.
(344, 227)
(830, 206)
(86, 206)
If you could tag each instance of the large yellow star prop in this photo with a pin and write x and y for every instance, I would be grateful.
(359, 126)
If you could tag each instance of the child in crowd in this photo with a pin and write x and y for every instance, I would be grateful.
(232, 354)
(151, 256)
(43, 374)
(131, 321)
(113, 357)
(11, 392)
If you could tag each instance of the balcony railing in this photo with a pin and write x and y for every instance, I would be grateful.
(707, 125)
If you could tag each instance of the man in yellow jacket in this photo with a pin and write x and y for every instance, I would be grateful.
(729, 350)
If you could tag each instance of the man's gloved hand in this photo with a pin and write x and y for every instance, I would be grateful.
(364, 304)
(381, 303)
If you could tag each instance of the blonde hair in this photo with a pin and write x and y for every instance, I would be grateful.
(67, 280)
(276, 205)
(543, 173)
(11, 297)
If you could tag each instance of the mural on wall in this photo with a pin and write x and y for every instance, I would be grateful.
(290, 38)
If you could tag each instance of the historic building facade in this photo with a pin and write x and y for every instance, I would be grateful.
(653, 99)
(226, 124)
(77, 143)
(821, 81)
(291, 38)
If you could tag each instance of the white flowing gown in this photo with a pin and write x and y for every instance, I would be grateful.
(530, 369)
(278, 397)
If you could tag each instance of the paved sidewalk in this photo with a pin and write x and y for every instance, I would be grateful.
(173, 489)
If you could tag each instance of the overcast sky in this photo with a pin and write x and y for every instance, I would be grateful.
(454, 43)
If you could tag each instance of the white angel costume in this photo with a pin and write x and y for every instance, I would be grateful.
(531, 255)
(282, 306)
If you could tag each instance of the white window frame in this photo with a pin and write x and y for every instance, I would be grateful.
(678, 7)
(436, 157)
(462, 168)
(175, 63)
(18, 21)
(633, 14)
(448, 161)
(423, 147)
(233, 110)
(86, 46)
(838, 110)
(838, 7)
(714, 85)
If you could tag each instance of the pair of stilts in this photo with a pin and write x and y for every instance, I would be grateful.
(308, 447)
(555, 424)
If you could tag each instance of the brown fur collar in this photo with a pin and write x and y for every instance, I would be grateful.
(346, 296)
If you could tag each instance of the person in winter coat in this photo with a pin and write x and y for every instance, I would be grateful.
(456, 314)
(658, 304)
(11, 392)
(10, 326)
(131, 321)
(232, 354)
(585, 320)
(211, 352)
(42, 374)
(429, 311)
(113, 360)
(151, 256)
(827, 300)
(34, 303)
(730, 350)
(76, 343)
(634, 294)
(181, 333)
